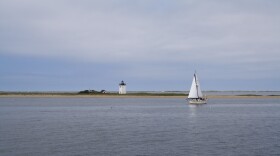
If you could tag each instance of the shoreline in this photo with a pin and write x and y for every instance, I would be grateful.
(27, 95)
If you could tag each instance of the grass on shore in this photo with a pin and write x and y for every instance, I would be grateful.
(89, 94)
(249, 95)
(143, 94)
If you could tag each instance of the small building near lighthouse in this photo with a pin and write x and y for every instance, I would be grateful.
(122, 88)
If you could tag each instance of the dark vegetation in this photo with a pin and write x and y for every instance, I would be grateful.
(92, 92)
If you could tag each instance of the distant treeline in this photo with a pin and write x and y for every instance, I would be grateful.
(92, 92)
(157, 94)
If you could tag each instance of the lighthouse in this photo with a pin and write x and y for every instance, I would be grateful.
(122, 88)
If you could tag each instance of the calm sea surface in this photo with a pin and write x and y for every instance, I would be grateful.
(138, 127)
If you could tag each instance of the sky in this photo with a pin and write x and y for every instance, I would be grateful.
(153, 45)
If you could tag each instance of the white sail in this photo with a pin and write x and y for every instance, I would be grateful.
(195, 91)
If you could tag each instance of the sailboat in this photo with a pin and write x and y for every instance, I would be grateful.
(195, 95)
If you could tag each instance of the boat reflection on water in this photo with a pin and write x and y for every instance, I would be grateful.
(193, 110)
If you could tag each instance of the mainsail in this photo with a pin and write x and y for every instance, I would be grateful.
(195, 91)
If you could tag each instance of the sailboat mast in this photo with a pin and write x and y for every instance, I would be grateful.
(196, 85)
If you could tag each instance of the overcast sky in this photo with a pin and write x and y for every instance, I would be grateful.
(70, 45)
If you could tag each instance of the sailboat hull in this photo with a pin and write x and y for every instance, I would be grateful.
(197, 101)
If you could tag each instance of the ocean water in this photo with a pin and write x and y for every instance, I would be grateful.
(138, 127)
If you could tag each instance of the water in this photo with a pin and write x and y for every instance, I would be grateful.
(138, 127)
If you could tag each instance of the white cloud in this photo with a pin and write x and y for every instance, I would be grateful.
(211, 32)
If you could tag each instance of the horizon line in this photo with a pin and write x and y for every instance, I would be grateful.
(73, 91)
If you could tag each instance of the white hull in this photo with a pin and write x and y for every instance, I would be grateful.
(197, 101)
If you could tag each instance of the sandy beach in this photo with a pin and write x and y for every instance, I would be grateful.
(27, 95)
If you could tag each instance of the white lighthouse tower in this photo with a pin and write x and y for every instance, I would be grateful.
(122, 88)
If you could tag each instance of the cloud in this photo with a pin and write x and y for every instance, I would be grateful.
(150, 36)
(115, 30)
